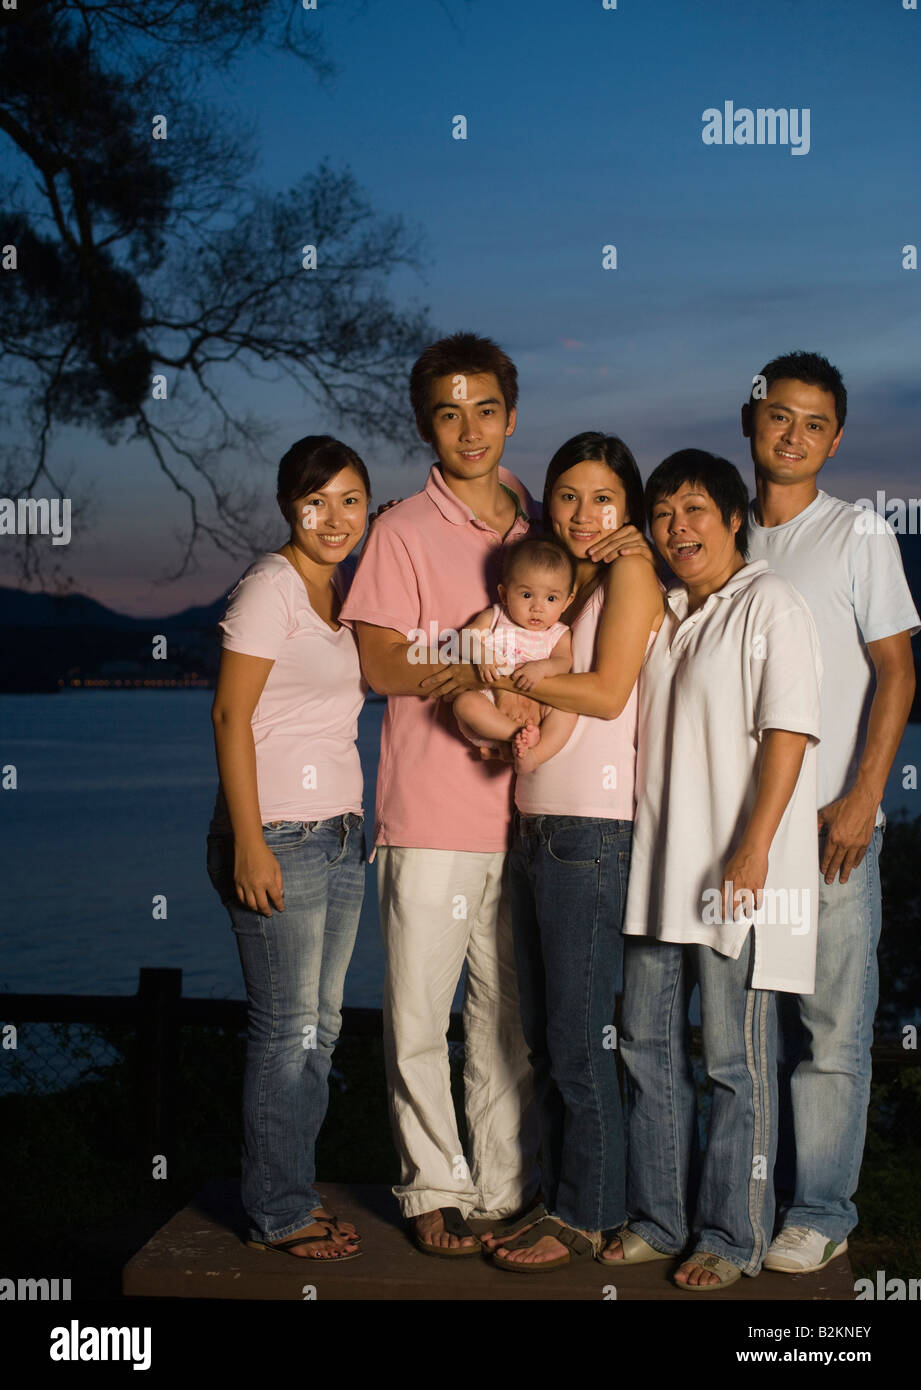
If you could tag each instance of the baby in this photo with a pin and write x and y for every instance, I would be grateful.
(523, 633)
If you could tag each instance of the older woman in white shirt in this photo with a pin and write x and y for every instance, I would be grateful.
(723, 882)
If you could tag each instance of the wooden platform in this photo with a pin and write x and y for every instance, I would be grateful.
(199, 1254)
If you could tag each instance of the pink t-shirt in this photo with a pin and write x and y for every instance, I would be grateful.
(429, 565)
(305, 723)
(593, 774)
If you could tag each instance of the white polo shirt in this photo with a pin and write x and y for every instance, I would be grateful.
(846, 564)
(713, 682)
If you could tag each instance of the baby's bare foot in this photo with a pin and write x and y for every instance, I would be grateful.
(525, 761)
(525, 741)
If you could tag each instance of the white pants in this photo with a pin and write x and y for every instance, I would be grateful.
(438, 908)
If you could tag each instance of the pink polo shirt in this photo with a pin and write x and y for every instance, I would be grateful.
(430, 563)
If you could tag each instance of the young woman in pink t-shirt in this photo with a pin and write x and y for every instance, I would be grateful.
(286, 849)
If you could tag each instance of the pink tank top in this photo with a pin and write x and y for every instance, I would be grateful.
(516, 645)
(593, 774)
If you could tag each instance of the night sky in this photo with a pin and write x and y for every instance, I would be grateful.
(584, 129)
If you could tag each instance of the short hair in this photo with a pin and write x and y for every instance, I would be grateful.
(462, 354)
(717, 476)
(542, 552)
(813, 370)
(309, 464)
(593, 446)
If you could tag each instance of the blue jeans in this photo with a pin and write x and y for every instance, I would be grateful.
(294, 965)
(830, 1040)
(568, 884)
(724, 1203)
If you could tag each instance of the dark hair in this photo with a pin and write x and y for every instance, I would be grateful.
(595, 447)
(309, 464)
(717, 476)
(463, 354)
(812, 369)
(541, 551)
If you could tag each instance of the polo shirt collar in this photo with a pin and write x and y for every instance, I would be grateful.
(457, 512)
(678, 596)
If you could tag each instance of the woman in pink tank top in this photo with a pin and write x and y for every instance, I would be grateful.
(570, 857)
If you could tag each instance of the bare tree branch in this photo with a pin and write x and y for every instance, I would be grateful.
(140, 258)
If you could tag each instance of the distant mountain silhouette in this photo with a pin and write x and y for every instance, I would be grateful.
(64, 641)
(57, 641)
(21, 609)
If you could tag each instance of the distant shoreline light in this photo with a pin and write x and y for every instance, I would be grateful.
(123, 683)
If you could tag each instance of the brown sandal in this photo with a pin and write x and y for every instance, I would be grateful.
(454, 1225)
(577, 1247)
(508, 1227)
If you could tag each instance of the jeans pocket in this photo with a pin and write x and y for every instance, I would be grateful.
(344, 831)
(575, 846)
(287, 834)
(623, 879)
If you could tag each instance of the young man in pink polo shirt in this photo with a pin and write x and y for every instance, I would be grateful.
(429, 564)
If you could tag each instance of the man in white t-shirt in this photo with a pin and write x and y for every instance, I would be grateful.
(846, 564)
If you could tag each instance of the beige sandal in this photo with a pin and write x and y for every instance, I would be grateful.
(725, 1271)
(636, 1250)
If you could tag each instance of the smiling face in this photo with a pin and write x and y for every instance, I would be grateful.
(587, 502)
(470, 424)
(689, 533)
(535, 596)
(792, 431)
(330, 522)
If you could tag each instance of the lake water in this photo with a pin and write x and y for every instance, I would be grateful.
(114, 795)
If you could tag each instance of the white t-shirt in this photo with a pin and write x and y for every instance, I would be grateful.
(305, 722)
(712, 683)
(845, 562)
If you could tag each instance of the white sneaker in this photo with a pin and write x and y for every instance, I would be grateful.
(797, 1250)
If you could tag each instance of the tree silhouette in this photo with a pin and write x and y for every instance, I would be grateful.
(131, 258)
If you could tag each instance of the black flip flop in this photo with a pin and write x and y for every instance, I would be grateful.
(286, 1247)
